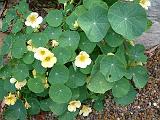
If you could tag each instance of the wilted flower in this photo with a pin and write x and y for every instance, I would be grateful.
(19, 85)
(85, 110)
(33, 20)
(73, 105)
(27, 105)
(54, 43)
(82, 60)
(30, 46)
(10, 99)
(145, 3)
(76, 25)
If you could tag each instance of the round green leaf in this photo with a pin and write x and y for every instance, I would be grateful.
(59, 74)
(74, 16)
(113, 39)
(35, 108)
(121, 88)
(128, 19)
(20, 72)
(94, 23)
(28, 58)
(60, 93)
(99, 80)
(93, 3)
(62, 54)
(139, 76)
(112, 68)
(76, 78)
(85, 44)
(17, 26)
(16, 112)
(54, 18)
(38, 67)
(19, 48)
(58, 109)
(35, 85)
(136, 53)
(45, 104)
(69, 39)
(127, 99)
(53, 33)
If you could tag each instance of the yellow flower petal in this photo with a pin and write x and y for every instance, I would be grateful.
(82, 60)
(10, 99)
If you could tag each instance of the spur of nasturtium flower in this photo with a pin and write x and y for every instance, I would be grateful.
(73, 105)
(82, 60)
(33, 20)
(10, 99)
(49, 60)
(85, 111)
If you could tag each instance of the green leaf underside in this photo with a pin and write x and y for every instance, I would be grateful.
(112, 68)
(121, 88)
(128, 19)
(94, 23)
(98, 84)
(60, 93)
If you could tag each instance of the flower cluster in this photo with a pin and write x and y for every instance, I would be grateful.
(46, 57)
(73, 105)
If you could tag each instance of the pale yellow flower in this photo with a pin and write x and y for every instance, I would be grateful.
(13, 80)
(19, 85)
(10, 99)
(54, 43)
(82, 60)
(76, 25)
(73, 105)
(85, 111)
(27, 105)
(34, 73)
(33, 20)
(49, 60)
(145, 3)
(41, 53)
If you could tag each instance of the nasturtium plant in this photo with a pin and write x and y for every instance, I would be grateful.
(72, 56)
